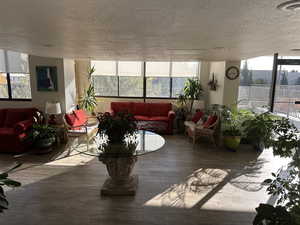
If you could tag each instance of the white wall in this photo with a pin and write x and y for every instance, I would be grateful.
(69, 84)
(66, 85)
(218, 68)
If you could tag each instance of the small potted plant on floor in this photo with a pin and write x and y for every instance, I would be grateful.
(231, 128)
(44, 136)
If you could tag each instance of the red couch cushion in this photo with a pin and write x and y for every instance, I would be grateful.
(160, 109)
(141, 109)
(2, 117)
(22, 126)
(121, 107)
(210, 121)
(142, 118)
(198, 115)
(159, 118)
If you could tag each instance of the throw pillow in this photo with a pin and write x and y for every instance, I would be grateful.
(198, 115)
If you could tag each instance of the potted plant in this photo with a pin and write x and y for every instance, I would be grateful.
(285, 188)
(43, 135)
(118, 152)
(117, 126)
(259, 130)
(231, 128)
(6, 181)
(88, 101)
(192, 91)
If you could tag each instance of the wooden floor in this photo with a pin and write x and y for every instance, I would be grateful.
(177, 185)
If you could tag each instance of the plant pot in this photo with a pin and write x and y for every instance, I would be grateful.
(119, 168)
(258, 145)
(232, 142)
(44, 143)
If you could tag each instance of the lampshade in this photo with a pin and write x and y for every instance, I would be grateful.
(53, 108)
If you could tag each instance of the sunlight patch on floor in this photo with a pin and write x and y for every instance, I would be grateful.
(188, 193)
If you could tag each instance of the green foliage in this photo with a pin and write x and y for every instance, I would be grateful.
(124, 149)
(5, 181)
(117, 126)
(88, 101)
(192, 90)
(232, 119)
(286, 188)
(270, 215)
(42, 131)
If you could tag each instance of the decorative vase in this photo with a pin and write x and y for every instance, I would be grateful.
(44, 143)
(232, 142)
(119, 168)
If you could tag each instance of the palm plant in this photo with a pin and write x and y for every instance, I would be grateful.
(88, 101)
(192, 91)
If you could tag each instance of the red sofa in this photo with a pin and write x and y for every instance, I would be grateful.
(156, 117)
(14, 127)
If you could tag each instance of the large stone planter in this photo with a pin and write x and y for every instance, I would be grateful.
(120, 182)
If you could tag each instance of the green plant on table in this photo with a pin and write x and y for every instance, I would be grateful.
(88, 101)
(117, 126)
(6, 181)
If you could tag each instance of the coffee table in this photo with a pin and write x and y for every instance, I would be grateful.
(121, 182)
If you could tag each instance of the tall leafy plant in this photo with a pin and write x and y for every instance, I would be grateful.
(88, 101)
(192, 91)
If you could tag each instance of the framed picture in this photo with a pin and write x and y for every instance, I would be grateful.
(46, 77)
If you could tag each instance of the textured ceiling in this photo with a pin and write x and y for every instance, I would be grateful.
(149, 29)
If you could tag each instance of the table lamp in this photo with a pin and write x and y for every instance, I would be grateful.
(52, 109)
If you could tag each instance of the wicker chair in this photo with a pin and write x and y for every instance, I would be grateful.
(195, 131)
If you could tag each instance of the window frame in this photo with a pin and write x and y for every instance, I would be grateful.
(8, 80)
(143, 75)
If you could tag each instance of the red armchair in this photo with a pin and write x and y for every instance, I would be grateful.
(15, 125)
(156, 117)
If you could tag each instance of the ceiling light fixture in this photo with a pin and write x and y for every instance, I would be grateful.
(295, 49)
(292, 5)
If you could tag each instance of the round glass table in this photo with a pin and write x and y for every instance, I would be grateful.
(146, 142)
(120, 165)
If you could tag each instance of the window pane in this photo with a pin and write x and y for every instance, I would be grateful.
(158, 69)
(158, 87)
(2, 61)
(178, 85)
(3, 86)
(17, 62)
(129, 68)
(107, 68)
(185, 69)
(20, 86)
(106, 85)
(255, 83)
(131, 86)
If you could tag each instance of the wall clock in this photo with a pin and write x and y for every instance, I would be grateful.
(232, 73)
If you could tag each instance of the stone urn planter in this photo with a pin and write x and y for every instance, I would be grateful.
(121, 180)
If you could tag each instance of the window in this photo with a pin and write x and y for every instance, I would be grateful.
(130, 79)
(255, 83)
(142, 79)
(14, 76)
(158, 79)
(181, 72)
